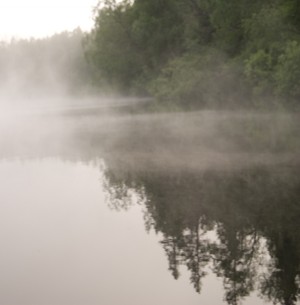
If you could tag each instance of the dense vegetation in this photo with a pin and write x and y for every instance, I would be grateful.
(200, 52)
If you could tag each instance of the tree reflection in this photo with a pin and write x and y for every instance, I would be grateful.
(282, 283)
(241, 223)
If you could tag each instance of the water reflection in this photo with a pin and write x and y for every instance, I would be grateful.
(244, 224)
(223, 190)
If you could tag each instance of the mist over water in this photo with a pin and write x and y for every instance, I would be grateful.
(217, 190)
(105, 127)
(189, 198)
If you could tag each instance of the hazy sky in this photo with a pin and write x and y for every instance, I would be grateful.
(39, 18)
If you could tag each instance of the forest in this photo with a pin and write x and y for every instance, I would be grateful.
(199, 53)
(185, 112)
(188, 54)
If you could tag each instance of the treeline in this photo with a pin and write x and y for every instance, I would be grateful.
(51, 66)
(199, 52)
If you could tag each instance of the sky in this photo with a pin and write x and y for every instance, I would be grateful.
(41, 18)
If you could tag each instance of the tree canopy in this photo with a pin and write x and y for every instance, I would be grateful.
(199, 52)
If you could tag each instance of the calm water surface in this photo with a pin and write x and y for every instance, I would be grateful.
(103, 208)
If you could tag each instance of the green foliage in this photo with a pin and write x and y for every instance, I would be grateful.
(157, 30)
(266, 29)
(131, 42)
(110, 47)
(198, 52)
(180, 79)
(226, 18)
(288, 71)
(259, 69)
(196, 81)
(269, 52)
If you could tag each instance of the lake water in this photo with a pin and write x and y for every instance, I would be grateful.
(113, 207)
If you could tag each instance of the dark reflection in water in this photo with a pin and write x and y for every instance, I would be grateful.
(223, 189)
(243, 223)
